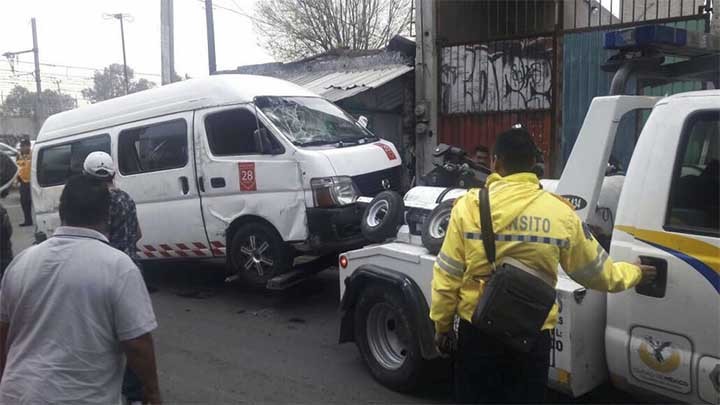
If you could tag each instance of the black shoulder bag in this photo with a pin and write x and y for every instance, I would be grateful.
(517, 299)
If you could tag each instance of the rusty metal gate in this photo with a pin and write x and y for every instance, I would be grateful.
(501, 62)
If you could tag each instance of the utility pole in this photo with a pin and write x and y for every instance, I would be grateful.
(122, 17)
(38, 85)
(167, 41)
(12, 58)
(210, 36)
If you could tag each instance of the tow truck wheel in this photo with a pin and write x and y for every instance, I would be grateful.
(387, 340)
(435, 226)
(258, 254)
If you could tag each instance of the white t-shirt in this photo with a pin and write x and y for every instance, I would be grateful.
(69, 302)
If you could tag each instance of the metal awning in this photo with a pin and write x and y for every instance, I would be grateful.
(336, 86)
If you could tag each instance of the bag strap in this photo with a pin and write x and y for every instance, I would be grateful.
(486, 226)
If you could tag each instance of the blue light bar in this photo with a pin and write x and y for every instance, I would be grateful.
(672, 41)
(646, 36)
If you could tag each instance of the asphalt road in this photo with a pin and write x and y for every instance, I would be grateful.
(220, 343)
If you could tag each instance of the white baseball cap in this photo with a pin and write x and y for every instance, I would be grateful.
(99, 165)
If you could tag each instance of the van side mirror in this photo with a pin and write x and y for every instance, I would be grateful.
(363, 121)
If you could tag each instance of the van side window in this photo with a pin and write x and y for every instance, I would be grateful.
(57, 163)
(694, 198)
(155, 147)
(233, 132)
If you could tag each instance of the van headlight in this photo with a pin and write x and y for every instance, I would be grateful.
(331, 192)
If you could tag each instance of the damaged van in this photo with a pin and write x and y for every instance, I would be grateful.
(253, 169)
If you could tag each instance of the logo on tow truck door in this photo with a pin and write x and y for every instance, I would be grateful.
(661, 358)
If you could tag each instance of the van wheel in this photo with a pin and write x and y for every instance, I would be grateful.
(259, 254)
(435, 226)
(387, 339)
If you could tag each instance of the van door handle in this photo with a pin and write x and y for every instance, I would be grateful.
(658, 287)
(185, 185)
(201, 184)
(217, 182)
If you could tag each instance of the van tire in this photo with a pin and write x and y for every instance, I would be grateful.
(435, 226)
(383, 217)
(387, 340)
(258, 254)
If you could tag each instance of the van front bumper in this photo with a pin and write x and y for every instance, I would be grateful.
(335, 229)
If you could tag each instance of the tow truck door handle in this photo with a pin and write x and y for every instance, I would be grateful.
(658, 287)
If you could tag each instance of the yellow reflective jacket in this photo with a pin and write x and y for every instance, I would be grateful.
(532, 226)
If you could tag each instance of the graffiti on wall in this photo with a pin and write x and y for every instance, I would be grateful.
(499, 76)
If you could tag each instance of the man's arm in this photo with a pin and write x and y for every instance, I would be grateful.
(3, 348)
(586, 262)
(448, 273)
(140, 353)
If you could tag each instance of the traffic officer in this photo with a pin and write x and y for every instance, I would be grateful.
(535, 227)
(23, 161)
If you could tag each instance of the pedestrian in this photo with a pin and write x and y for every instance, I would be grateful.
(124, 234)
(72, 309)
(8, 172)
(537, 230)
(24, 161)
(481, 157)
(124, 228)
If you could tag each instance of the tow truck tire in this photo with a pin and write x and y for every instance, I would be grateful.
(258, 254)
(387, 339)
(383, 217)
(435, 226)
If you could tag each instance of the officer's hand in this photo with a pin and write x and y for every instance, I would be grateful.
(445, 342)
(649, 273)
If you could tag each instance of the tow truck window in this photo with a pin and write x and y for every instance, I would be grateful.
(57, 163)
(152, 148)
(694, 198)
(233, 132)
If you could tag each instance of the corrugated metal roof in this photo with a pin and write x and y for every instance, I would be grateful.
(337, 86)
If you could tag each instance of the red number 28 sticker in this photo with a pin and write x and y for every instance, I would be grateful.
(247, 176)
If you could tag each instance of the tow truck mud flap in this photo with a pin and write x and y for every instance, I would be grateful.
(577, 366)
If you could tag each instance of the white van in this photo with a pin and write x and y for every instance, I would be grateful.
(243, 166)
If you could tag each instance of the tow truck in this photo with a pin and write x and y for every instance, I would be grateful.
(660, 341)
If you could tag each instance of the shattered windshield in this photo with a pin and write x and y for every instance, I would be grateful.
(308, 121)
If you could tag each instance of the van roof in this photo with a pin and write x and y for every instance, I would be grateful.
(187, 95)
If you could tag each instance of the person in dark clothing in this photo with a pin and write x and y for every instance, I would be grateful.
(6, 253)
(8, 172)
(23, 162)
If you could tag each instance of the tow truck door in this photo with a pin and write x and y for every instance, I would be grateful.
(665, 337)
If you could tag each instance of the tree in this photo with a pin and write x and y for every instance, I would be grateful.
(292, 29)
(21, 102)
(110, 83)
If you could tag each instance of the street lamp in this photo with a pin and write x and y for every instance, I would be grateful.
(122, 17)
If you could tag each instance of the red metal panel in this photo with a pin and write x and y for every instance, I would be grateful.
(470, 130)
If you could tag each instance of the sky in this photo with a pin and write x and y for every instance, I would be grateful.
(74, 33)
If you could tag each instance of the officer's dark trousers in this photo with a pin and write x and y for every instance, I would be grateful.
(26, 202)
(487, 371)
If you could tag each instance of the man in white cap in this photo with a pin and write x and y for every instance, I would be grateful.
(124, 226)
(124, 233)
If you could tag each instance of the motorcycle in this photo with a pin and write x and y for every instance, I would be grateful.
(454, 169)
